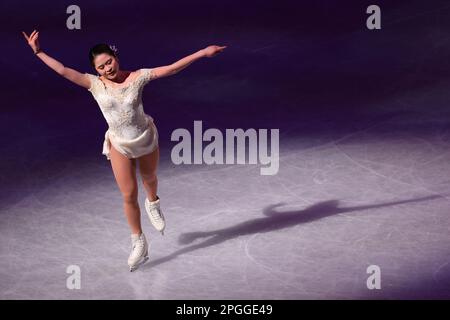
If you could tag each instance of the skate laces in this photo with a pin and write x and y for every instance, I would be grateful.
(155, 214)
(155, 211)
(138, 245)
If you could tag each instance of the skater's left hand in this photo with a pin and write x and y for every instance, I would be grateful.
(211, 51)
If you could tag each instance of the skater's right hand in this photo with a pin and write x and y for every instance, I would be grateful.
(32, 40)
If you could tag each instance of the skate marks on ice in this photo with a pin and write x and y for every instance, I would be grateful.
(274, 220)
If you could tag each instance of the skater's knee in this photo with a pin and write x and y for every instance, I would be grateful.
(149, 178)
(130, 197)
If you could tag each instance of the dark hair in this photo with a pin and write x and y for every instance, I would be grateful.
(99, 49)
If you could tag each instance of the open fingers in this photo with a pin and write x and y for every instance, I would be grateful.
(25, 35)
(30, 38)
(35, 36)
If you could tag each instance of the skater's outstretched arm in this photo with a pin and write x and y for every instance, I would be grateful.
(176, 67)
(68, 73)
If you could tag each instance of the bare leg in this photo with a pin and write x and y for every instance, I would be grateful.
(125, 173)
(148, 164)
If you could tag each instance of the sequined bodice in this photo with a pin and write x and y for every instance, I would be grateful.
(122, 107)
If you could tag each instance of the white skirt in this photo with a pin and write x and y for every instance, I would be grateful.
(146, 143)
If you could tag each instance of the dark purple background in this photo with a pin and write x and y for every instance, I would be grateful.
(313, 63)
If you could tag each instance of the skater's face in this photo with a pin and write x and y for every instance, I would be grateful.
(106, 65)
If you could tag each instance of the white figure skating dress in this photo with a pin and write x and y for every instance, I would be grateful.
(131, 131)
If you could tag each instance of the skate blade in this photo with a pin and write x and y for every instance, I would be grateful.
(134, 268)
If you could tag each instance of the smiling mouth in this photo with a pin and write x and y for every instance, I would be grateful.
(110, 73)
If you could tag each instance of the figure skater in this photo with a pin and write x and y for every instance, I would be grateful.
(132, 135)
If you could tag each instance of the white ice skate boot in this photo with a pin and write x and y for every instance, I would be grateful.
(139, 251)
(155, 214)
